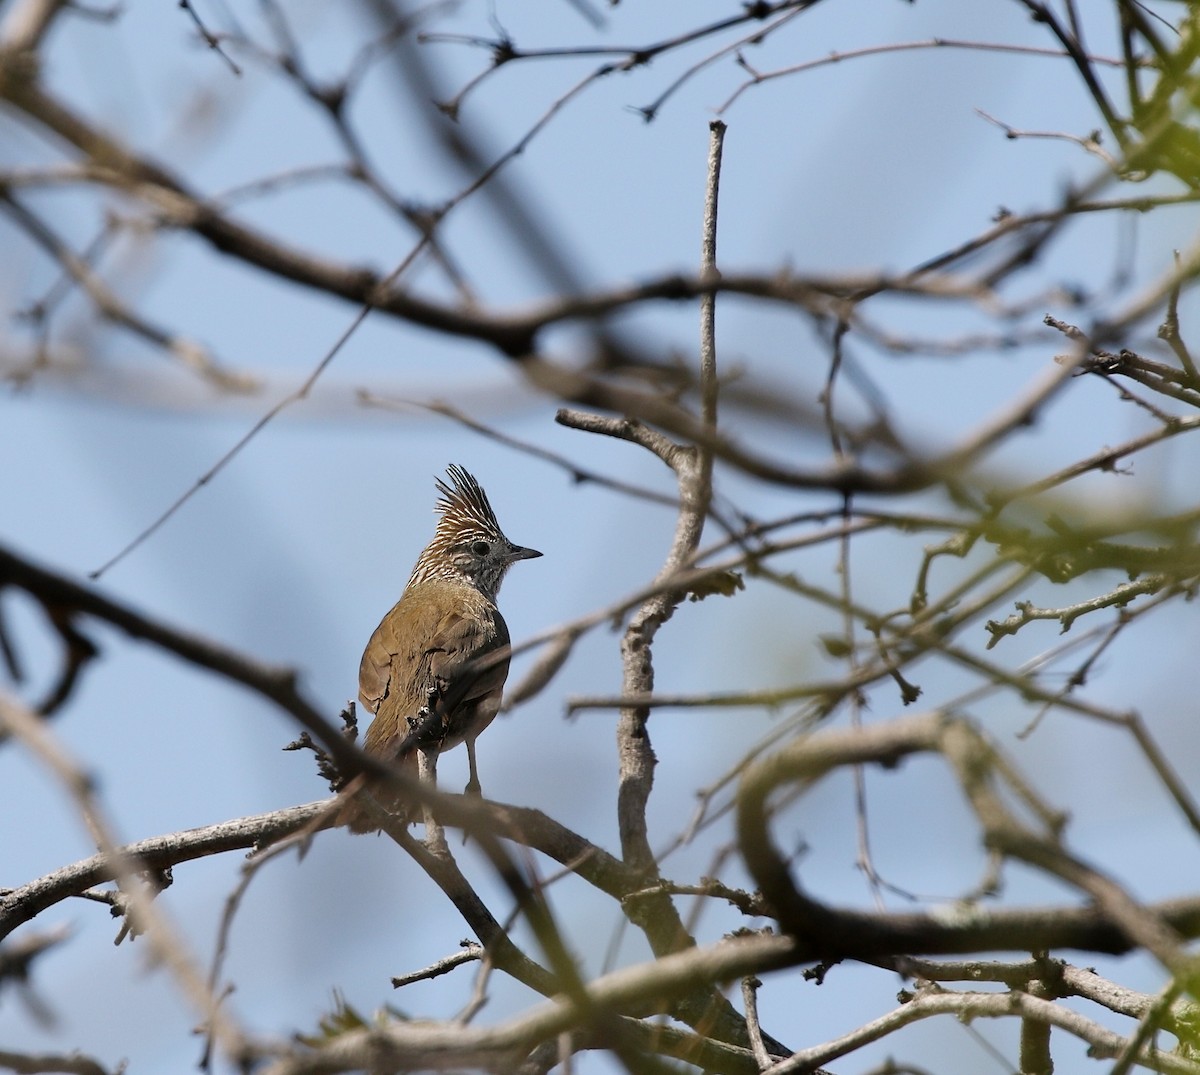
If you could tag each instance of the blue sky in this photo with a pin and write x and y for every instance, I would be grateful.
(297, 548)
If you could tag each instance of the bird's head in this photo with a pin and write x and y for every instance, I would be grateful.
(468, 543)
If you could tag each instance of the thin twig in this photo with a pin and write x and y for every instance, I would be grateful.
(209, 38)
(469, 952)
(750, 987)
(299, 394)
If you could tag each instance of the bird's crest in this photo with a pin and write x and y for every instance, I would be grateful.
(464, 506)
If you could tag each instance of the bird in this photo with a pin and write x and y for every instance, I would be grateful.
(434, 669)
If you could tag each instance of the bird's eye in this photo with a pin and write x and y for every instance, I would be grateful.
(481, 548)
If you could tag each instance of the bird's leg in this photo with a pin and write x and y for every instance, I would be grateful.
(435, 838)
(473, 786)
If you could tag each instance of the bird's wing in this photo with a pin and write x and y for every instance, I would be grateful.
(378, 669)
(467, 659)
(464, 658)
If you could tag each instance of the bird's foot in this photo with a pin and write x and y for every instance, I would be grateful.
(475, 791)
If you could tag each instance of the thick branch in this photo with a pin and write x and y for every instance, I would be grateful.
(20, 905)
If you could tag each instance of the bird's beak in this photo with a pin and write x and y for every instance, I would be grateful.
(517, 552)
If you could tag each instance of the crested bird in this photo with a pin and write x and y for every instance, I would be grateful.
(435, 667)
